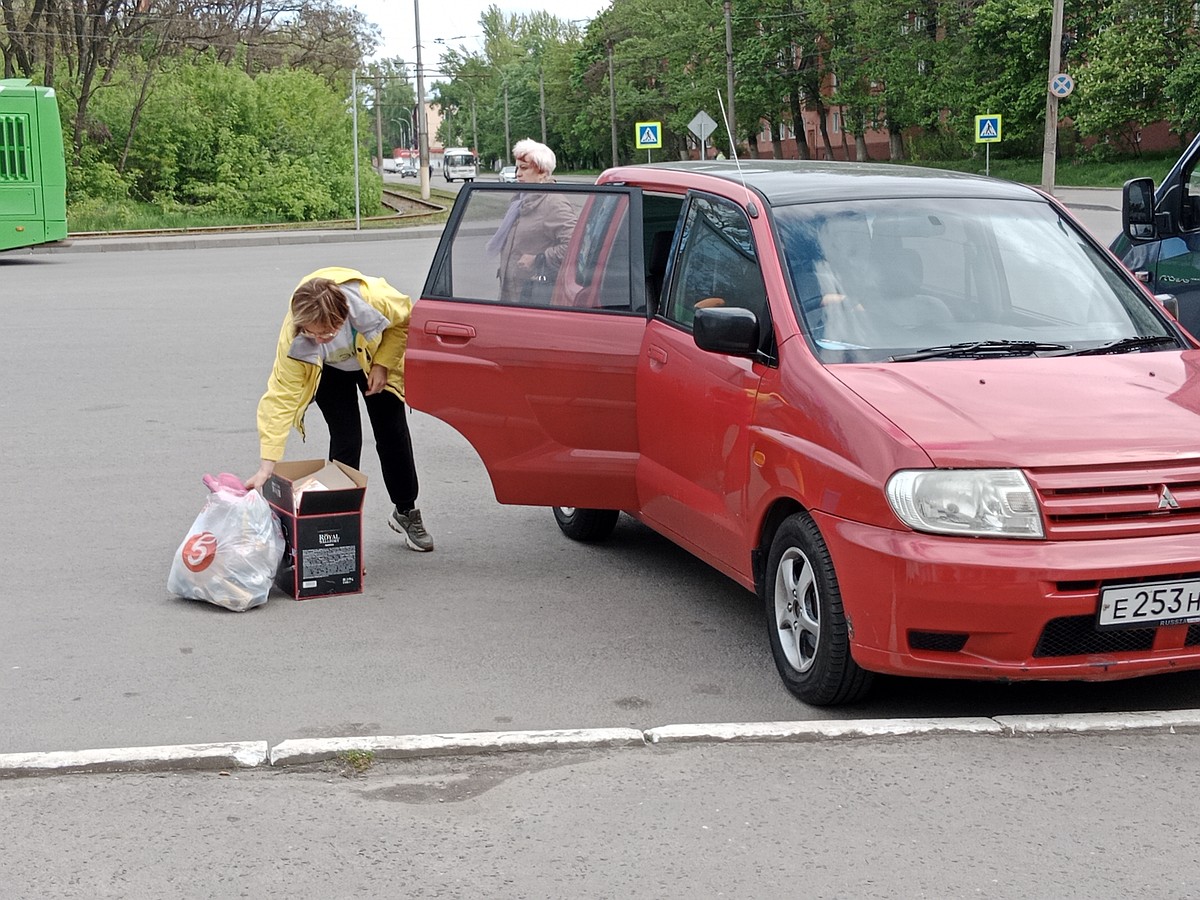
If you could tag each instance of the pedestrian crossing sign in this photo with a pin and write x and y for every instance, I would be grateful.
(649, 135)
(987, 129)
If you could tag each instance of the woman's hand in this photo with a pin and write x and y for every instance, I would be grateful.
(259, 478)
(376, 379)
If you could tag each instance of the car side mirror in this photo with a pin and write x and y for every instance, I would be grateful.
(1170, 303)
(1137, 209)
(726, 329)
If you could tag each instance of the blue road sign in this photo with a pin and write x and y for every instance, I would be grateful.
(1062, 84)
(987, 129)
(649, 135)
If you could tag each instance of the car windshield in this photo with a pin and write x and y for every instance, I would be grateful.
(909, 279)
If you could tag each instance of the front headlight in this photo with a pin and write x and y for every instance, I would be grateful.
(974, 502)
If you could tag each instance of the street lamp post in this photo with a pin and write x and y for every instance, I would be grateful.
(405, 132)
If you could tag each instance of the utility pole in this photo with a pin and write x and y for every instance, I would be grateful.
(507, 139)
(542, 95)
(729, 77)
(474, 130)
(422, 123)
(612, 103)
(1050, 143)
(354, 120)
(378, 129)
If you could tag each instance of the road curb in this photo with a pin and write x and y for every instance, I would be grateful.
(817, 731)
(1186, 721)
(296, 752)
(258, 754)
(236, 239)
(236, 755)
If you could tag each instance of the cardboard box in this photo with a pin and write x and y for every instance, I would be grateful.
(322, 527)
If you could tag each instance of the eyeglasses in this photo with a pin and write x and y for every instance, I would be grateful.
(322, 336)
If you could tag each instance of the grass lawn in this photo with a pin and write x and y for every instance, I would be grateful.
(128, 215)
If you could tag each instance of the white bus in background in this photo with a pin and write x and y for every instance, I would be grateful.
(459, 162)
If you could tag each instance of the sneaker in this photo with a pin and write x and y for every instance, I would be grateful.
(409, 524)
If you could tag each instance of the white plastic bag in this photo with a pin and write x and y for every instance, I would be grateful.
(232, 551)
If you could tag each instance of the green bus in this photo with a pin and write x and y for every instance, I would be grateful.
(33, 173)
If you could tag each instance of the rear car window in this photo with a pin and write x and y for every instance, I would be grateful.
(552, 248)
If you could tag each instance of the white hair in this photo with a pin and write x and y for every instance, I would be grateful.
(537, 153)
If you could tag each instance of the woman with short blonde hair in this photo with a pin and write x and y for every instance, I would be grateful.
(538, 159)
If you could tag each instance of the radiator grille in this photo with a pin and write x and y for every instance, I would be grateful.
(1083, 504)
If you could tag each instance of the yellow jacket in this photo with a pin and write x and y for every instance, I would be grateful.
(379, 316)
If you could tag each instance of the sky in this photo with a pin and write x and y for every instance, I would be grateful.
(456, 22)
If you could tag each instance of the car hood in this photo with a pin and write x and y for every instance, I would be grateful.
(1030, 412)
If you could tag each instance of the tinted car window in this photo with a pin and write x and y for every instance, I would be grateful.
(717, 264)
(877, 278)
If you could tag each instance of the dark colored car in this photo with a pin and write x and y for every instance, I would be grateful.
(935, 425)
(409, 170)
(1160, 235)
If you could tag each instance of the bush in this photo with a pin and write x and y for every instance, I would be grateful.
(937, 145)
(95, 180)
(276, 147)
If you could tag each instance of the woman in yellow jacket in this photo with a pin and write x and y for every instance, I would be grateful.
(344, 334)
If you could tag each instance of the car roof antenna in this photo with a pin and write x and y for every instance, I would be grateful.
(751, 206)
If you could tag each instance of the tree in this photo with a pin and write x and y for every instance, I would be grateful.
(1133, 70)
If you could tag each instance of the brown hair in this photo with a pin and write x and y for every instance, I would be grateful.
(319, 302)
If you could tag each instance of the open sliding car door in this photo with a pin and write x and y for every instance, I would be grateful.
(531, 353)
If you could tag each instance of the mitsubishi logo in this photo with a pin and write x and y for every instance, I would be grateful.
(1166, 500)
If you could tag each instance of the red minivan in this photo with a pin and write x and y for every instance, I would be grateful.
(936, 426)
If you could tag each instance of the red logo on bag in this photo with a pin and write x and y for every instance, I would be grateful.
(199, 551)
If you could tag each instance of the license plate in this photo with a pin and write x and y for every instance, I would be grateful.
(1160, 603)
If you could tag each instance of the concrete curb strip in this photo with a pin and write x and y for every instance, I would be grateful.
(246, 754)
(234, 239)
(816, 731)
(1173, 721)
(252, 754)
(290, 753)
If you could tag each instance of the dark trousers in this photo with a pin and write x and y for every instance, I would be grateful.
(337, 398)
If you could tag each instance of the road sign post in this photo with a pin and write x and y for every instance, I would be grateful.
(702, 125)
(648, 136)
(987, 132)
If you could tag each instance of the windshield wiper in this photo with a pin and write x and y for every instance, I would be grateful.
(978, 349)
(1128, 344)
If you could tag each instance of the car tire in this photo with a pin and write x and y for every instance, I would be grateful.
(807, 626)
(586, 525)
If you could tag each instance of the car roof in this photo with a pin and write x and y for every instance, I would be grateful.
(784, 182)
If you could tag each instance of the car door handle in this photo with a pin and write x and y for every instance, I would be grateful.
(450, 332)
(657, 354)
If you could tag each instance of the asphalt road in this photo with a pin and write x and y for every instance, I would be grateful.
(157, 362)
(154, 367)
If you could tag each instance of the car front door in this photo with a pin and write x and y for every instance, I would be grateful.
(695, 407)
(532, 353)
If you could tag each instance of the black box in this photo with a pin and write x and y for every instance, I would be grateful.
(324, 554)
